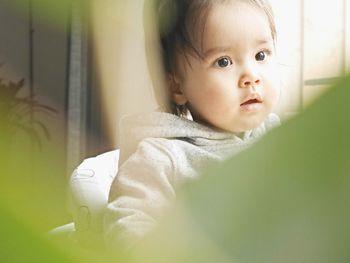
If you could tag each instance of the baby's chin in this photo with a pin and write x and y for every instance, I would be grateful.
(244, 126)
(236, 126)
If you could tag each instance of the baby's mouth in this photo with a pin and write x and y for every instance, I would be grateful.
(251, 101)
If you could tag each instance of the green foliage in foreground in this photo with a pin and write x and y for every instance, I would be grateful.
(21, 244)
(284, 200)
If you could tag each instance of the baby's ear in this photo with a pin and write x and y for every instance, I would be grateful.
(176, 92)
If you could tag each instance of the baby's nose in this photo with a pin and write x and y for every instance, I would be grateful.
(249, 80)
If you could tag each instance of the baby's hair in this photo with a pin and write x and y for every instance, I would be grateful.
(181, 24)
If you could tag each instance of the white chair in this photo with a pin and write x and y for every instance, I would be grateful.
(89, 189)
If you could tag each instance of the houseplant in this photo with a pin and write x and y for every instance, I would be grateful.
(17, 114)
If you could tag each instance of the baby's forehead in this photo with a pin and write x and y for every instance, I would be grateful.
(233, 23)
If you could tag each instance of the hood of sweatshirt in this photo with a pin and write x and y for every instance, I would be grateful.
(135, 128)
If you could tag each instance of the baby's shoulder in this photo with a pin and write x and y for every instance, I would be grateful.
(179, 155)
(173, 148)
(179, 151)
(160, 154)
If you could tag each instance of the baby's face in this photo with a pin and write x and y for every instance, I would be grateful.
(235, 86)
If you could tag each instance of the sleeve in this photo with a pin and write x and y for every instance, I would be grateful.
(141, 192)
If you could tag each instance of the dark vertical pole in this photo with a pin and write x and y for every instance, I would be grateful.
(31, 71)
(67, 85)
(31, 54)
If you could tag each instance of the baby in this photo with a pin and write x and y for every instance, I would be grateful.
(219, 60)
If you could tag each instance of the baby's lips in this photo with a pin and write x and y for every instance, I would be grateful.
(250, 101)
(252, 98)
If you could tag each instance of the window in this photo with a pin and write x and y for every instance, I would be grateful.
(314, 40)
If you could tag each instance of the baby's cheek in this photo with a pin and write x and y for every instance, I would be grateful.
(278, 93)
(273, 80)
(273, 73)
(274, 96)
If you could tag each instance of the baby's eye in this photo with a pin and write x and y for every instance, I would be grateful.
(261, 56)
(223, 62)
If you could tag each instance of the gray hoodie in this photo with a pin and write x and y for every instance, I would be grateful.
(158, 152)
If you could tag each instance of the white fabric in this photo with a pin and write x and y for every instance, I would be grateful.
(89, 188)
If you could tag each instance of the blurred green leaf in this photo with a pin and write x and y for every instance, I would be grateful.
(20, 244)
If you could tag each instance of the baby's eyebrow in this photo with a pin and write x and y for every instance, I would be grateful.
(264, 41)
(215, 50)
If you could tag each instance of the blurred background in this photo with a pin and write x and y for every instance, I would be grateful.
(86, 61)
